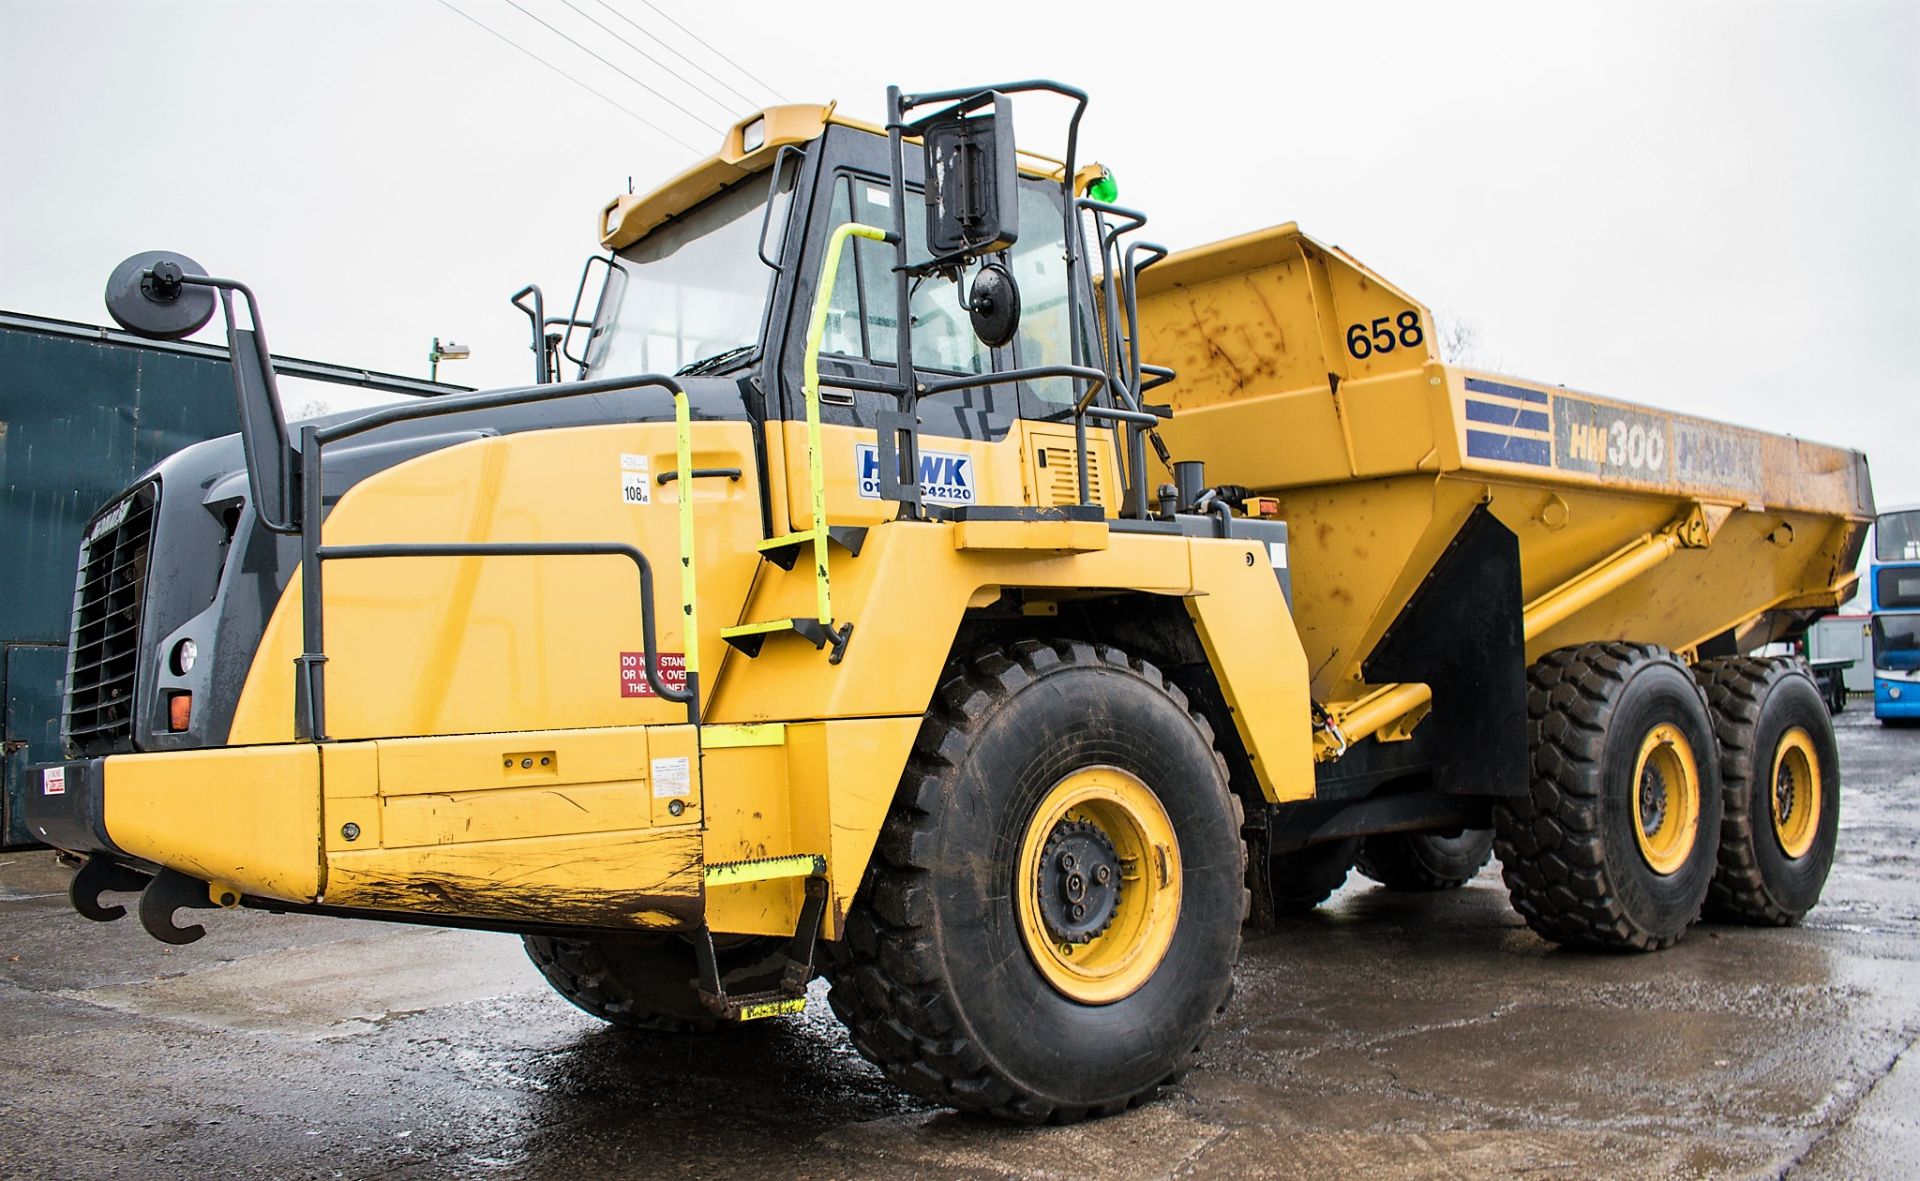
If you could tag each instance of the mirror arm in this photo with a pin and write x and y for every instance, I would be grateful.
(537, 314)
(773, 191)
(573, 318)
(263, 425)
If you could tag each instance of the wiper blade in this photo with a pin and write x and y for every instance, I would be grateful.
(716, 362)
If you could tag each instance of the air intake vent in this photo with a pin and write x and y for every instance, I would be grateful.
(1060, 478)
(108, 598)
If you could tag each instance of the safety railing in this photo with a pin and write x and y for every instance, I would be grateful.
(310, 701)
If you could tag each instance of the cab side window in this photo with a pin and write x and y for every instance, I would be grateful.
(860, 315)
(1039, 265)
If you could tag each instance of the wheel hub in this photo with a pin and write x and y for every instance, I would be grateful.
(1653, 800)
(1796, 793)
(1665, 806)
(1079, 882)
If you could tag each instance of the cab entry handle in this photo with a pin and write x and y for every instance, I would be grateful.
(700, 473)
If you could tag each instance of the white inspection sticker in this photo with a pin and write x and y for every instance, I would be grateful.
(53, 781)
(1277, 554)
(636, 482)
(672, 777)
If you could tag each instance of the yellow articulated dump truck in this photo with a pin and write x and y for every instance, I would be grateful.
(923, 581)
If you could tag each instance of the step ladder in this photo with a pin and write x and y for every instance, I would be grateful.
(820, 628)
(790, 994)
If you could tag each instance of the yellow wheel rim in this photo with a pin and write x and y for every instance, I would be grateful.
(1097, 886)
(1796, 792)
(1666, 801)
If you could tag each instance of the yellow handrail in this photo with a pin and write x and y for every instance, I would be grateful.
(810, 390)
(683, 452)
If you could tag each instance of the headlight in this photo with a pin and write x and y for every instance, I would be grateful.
(184, 654)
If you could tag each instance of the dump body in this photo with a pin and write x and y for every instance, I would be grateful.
(1306, 377)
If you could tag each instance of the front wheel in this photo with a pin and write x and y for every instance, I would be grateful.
(1053, 910)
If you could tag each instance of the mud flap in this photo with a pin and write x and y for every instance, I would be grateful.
(1461, 634)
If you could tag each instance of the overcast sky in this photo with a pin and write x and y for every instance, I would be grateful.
(1709, 207)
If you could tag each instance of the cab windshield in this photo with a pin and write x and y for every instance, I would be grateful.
(1896, 643)
(690, 292)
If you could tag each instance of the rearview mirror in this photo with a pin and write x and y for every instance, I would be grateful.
(973, 204)
(148, 296)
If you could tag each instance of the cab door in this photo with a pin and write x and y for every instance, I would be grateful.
(974, 444)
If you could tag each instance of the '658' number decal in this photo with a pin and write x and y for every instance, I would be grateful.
(1384, 334)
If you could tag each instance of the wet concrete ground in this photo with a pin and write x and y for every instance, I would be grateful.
(1386, 1036)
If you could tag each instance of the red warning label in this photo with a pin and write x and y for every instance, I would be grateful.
(671, 667)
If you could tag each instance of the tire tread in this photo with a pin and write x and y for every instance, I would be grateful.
(1550, 841)
(887, 985)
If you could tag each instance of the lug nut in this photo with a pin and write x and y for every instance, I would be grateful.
(1102, 874)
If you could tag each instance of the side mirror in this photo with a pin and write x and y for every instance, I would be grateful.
(148, 297)
(973, 199)
(994, 305)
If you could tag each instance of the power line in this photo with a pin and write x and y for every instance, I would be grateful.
(641, 119)
(691, 85)
(616, 69)
(723, 57)
(751, 102)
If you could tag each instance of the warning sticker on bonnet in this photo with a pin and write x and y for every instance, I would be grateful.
(635, 486)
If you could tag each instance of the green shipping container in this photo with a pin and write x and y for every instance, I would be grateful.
(83, 411)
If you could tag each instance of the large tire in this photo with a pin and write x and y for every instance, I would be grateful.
(1780, 772)
(1613, 847)
(1416, 861)
(1304, 878)
(955, 976)
(646, 980)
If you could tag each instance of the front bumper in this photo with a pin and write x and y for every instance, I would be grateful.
(244, 818)
(1895, 698)
(66, 806)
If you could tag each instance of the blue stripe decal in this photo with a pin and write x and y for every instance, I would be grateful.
(1477, 386)
(1501, 414)
(1486, 445)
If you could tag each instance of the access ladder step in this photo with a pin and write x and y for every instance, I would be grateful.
(765, 869)
(790, 995)
(748, 637)
(784, 550)
(751, 1006)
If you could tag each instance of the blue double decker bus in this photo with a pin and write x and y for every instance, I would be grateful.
(1895, 581)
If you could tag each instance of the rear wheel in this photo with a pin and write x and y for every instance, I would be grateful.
(1050, 921)
(1426, 860)
(646, 980)
(1780, 767)
(1614, 844)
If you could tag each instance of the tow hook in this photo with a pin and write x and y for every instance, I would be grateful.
(169, 891)
(99, 875)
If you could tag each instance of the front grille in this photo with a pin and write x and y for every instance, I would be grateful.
(108, 598)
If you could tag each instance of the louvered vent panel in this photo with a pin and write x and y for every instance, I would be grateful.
(1060, 480)
(108, 597)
